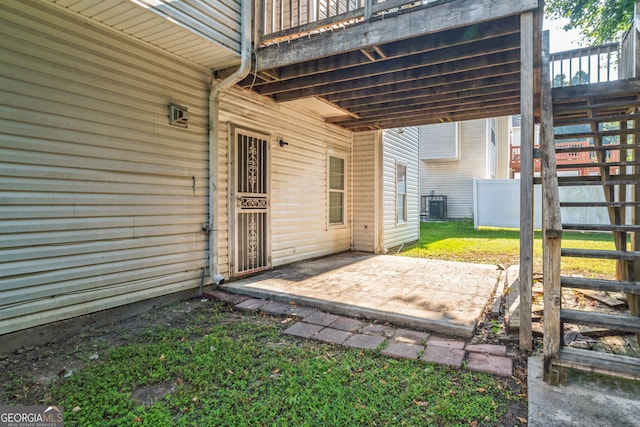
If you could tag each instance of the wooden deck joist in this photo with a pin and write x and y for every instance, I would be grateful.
(441, 62)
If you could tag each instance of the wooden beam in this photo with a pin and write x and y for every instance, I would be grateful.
(551, 228)
(423, 44)
(400, 27)
(440, 118)
(471, 65)
(451, 104)
(407, 101)
(526, 179)
(506, 44)
(478, 78)
(383, 121)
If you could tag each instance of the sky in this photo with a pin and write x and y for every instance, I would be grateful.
(560, 40)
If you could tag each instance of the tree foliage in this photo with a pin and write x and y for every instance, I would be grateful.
(599, 21)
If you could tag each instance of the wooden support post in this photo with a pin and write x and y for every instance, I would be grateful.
(634, 268)
(368, 9)
(526, 177)
(551, 229)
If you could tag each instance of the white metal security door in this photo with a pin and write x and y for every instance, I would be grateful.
(251, 202)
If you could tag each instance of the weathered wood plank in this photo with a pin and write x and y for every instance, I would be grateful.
(603, 298)
(486, 93)
(434, 93)
(552, 226)
(617, 87)
(452, 55)
(403, 26)
(599, 204)
(418, 45)
(464, 69)
(480, 109)
(441, 118)
(603, 363)
(454, 105)
(587, 253)
(483, 76)
(526, 178)
(602, 320)
(601, 284)
(602, 227)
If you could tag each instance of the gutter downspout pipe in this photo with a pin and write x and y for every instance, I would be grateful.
(214, 103)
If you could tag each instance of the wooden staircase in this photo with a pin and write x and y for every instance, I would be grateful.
(608, 114)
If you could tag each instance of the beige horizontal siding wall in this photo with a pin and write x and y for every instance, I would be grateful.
(299, 191)
(366, 173)
(503, 147)
(454, 178)
(101, 201)
(401, 146)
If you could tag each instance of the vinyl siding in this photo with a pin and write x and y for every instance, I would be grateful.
(205, 32)
(454, 178)
(299, 190)
(102, 203)
(503, 147)
(400, 147)
(366, 167)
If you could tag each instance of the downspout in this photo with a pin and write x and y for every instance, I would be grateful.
(214, 101)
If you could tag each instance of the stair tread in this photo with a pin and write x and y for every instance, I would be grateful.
(597, 180)
(600, 284)
(618, 322)
(598, 204)
(598, 253)
(602, 227)
(594, 361)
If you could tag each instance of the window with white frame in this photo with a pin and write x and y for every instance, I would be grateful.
(336, 190)
(401, 193)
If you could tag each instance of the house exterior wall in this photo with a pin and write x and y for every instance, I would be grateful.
(102, 203)
(366, 194)
(454, 177)
(299, 188)
(400, 147)
(503, 131)
(206, 32)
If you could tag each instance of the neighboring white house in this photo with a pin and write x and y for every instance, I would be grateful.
(453, 154)
(385, 189)
(113, 190)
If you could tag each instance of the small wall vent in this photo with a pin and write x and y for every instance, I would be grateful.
(178, 115)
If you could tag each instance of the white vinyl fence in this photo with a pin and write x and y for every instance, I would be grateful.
(496, 203)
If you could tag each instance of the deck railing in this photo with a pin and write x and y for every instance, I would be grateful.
(288, 19)
(585, 65)
(630, 48)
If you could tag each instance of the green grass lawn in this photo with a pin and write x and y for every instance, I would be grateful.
(459, 241)
(221, 368)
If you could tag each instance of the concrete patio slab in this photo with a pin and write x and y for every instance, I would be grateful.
(440, 296)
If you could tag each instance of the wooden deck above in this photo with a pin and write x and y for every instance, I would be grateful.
(442, 61)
